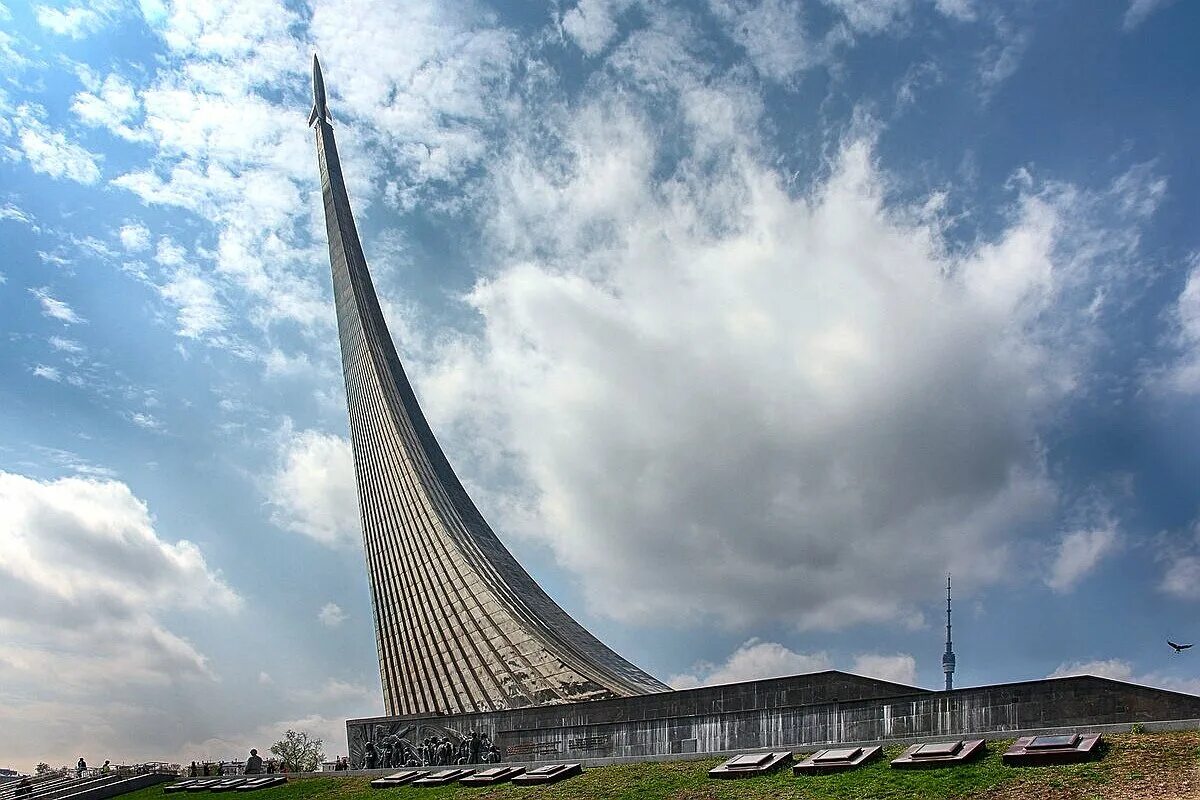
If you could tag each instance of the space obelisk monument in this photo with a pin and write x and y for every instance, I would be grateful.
(460, 625)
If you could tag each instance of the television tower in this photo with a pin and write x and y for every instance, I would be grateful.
(948, 656)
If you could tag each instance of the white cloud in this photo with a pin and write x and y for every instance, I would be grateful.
(1000, 61)
(281, 364)
(313, 490)
(135, 237)
(1181, 577)
(1184, 375)
(12, 212)
(143, 420)
(49, 151)
(65, 345)
(47, 372)
(75, 21)
(229, 152)
(199, 312)
(1121, 670)
(1140, 9)
(1113, 668)
(872, 16)
(898, 668)
(170, 254)
(84, 585)
(774, 36)
(331, 615)
(54, 308)
(753, 660)
(756, 660)
(1079, 553)
(592, 23)
(431, 102)
(336, 692)
(329, 728)
(264, 679)
(723, 401)
(112, 104)
(963, 10)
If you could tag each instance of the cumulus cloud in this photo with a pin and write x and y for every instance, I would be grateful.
(65, 345)
(1114, 668)
(963, 10)
(75, 21)
(1181, 576)
(49, 151)
(226, 153)
(898, 668)
(756, 660)
(134, 236)
(1000, 61)
(774, 35)
(312, 491)
(722, 401)
(331, 615)
(54, 308)
(199, 312)
(593, 23)
(111, 104)
(1138, 10)
(144, 420)
(17, 214)
(1184, 375)
(431, 103)
(1120, 670)
(1078, 554)
(329, 727)
(872, 16)
(47, 372)
(753, 660)
(84, 584)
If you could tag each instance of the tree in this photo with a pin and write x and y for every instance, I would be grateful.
(42, 768)
(298, 752)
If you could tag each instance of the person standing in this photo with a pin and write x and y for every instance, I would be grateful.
(254, 764)
(80, 768)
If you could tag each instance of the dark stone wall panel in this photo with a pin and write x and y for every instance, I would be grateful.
(824, 708)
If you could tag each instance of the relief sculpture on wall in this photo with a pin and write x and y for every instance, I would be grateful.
(418, 744)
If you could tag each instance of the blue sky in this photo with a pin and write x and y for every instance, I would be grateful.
(745, 321)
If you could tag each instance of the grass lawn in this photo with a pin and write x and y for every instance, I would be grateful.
(1154, 766)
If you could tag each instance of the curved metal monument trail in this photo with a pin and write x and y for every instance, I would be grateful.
(460, 625)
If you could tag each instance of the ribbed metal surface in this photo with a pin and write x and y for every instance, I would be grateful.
(460, 626)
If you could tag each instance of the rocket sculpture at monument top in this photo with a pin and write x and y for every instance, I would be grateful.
(460, 625)
(319, 109)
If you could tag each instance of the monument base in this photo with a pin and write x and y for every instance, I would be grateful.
(816, 709)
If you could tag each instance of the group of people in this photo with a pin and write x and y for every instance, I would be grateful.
(255, 765)
(433, 751)
(24, 787)
(81, 767)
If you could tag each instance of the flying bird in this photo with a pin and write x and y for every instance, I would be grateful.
(1179, 648)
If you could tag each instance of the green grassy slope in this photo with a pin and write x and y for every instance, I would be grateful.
(1158, 766)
